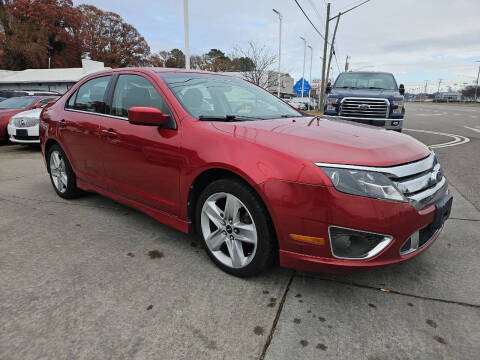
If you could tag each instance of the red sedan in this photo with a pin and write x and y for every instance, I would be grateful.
(14, 105)
(254, 178)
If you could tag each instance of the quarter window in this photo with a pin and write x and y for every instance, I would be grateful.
(90, 96)
(134, 90)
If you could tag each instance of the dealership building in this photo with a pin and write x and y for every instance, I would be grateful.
(58, 79)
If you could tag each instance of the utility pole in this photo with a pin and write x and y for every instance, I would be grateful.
(476, 87)
(185, 24)
(304, 54)
(346, 63)
(426, 84)
(438, 91)
(311, 62)
(280, 17)
(331, 46)
(324, 61)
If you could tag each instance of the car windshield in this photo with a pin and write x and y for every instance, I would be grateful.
(215, 97)
(17, 103)
(366, 81)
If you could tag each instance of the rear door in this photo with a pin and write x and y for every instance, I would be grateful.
(142, 163)
(79, 130)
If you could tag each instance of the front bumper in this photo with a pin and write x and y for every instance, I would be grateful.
(30, 136)
(387, 123)
(310, 210)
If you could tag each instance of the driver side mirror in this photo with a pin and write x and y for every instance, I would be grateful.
(328, 88)
(150, 116)
(401, 89)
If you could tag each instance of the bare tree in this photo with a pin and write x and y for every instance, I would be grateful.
(263, 59)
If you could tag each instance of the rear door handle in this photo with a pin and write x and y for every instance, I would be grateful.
(63, 123)
(109, 133)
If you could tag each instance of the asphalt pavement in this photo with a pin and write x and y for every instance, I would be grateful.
(93, 279)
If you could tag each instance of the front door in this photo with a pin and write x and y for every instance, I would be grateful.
(142, 163)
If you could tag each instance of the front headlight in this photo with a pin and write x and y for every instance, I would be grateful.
(363, 183)
(330, 101)
(398, 106)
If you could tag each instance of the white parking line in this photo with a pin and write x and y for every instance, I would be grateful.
(457, 139)
(474, 129)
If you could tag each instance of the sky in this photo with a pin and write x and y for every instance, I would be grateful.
(416, 40)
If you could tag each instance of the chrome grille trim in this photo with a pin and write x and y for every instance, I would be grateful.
(364, 107)
(23, 122)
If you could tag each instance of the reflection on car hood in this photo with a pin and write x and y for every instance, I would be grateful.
(329, 140)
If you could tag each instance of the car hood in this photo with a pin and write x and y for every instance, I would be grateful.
(371, 93)
(34, 113)
(329, 140)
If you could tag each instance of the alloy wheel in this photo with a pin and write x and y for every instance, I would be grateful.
(229, 230)
(58, 171)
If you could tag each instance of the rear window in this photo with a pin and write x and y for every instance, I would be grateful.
(17, 103)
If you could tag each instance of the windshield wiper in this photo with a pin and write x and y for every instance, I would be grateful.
(346, 87)
(227, 118)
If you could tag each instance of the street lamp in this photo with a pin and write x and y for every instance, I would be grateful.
(280, 17)
(185, 25)
(311, 61)
(304, 54)
(476, 87)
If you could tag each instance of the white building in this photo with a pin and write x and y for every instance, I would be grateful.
(448, 96)
(59, 79)
(286, 82)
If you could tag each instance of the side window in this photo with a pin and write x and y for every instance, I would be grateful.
(135, 90)
(90, 96)
(46, 101)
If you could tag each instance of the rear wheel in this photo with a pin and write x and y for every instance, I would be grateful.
(61, 173)
(235, 228)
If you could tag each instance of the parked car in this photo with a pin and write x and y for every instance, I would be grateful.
(367, 97)
(23, 127)
(257, 185)
(14, 105)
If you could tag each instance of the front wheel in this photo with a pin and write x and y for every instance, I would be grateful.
(235, 228)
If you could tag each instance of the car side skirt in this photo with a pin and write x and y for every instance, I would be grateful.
(164, 218)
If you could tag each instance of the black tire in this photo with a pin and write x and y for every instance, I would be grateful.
(71, 191)
(267, 249)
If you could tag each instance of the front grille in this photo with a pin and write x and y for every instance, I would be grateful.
(367, 108)
(421, 182)
(18, 137)
(25, 122)
(418, 239)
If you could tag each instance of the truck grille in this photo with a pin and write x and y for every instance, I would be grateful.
(25, 122)
(366, 108)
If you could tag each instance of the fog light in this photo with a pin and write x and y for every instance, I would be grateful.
(355, 244)
(395, 123)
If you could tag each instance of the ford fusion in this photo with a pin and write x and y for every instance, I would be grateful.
(254, 178)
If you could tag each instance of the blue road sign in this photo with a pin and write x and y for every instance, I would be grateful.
(298, 87)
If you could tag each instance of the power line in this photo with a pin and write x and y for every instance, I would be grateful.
(310, 21)
(336, 60)
(320, 17)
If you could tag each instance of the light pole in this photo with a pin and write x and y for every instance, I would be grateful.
(310, 79)
(280, 17)
(476, 87)
(185, 25)
(304, 54)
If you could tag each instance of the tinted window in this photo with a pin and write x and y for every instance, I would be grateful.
(17, 102)
(134, 90)
(90, 96)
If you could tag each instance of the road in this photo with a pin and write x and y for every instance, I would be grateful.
(93, 279)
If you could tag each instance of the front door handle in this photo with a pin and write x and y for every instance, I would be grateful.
(109, 133)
